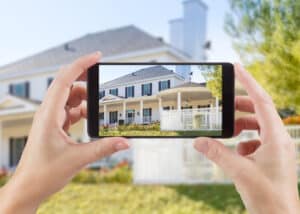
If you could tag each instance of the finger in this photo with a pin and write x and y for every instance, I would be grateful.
(229, 161)
(58, 92)
(244, 104)
(77, 94)
(90, 152)
(77, 113)
(245, 123)
(264, 108)
(247, 148)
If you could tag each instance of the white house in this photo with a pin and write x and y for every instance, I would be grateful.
(157, 94)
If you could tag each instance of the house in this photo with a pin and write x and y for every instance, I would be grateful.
(157, 94)
(23, 83)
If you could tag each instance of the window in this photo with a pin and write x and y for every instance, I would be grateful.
(101, 94)
(16, 146)
(147, 89)
(166, 108)
(101, 115)
(147, 113)
(162, 85)
(203, 106)
(113, 91)
(49, 81)
(20, 89)
(129, 91)
(113, 117)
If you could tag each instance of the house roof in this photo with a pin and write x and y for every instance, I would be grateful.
(191, 84)
(142, 74)
(111, 42)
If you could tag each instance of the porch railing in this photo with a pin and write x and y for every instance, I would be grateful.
(191, 119)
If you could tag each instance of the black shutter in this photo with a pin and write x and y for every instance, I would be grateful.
(10, 88)
(150, 89)
(10, 152)
(169, 84)
(150, 112)
(117, 92)
(142, 89)
(159, 85)
(27, 89)
(132, 91)
(126, 95)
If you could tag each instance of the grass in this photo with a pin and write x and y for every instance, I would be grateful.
(152, 130)
(117, 198)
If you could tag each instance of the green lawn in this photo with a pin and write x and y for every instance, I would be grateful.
(127, 198)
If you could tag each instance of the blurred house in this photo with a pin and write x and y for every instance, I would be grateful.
(23, 85)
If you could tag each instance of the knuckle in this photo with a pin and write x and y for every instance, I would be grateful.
(214, 153)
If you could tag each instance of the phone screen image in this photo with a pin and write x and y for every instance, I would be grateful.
(160, 100)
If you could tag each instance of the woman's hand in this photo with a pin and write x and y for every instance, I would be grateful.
(263, 171)
(51, 158)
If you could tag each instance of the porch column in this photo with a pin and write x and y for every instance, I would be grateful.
(217, 111)
(159, 104)
(124, 111)
(141, 110)
(105, 116)
(211, 116)
(178, 101)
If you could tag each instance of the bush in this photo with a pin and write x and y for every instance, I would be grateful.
(120, 174)
(292, 120)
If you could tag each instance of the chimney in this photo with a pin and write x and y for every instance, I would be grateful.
(189, 33)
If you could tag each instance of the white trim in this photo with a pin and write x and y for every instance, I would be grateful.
(25, 107)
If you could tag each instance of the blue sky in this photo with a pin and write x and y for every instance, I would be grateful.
(30, 26)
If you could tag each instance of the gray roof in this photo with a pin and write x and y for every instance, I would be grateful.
(142, 74)
(111, 42)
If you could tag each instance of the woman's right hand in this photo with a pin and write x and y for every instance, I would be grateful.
(264, 171)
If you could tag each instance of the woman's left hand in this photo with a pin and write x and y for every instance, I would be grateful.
(51, 158)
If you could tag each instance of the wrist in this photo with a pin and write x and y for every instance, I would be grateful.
(16, 199)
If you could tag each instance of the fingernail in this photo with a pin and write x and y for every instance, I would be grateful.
(201, 145)
(121, 146)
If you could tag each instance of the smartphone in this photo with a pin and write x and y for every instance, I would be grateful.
(160, 100)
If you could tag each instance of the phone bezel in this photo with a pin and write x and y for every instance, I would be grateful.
(227, 92)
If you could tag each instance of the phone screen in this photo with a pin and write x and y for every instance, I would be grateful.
(160, 100)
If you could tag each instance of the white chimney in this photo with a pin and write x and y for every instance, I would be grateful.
(189, 33)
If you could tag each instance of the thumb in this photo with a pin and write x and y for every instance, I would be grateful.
(231, 163)
(93, 151)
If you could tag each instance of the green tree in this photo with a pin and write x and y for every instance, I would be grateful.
(266, 34)
(213, 76)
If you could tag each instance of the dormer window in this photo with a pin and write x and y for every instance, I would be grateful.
(113, 91)
(147, 89)
(162, 85)
(19, 89)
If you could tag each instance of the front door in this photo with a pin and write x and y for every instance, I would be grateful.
(16, 146)
(130, 115)
(113, 117)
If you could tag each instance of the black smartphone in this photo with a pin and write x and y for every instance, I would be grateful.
(160, 100)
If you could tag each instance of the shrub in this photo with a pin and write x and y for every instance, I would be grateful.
(292, 120)
(120, 174)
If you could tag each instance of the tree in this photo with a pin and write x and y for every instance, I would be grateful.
(213, 76)
(266, 34)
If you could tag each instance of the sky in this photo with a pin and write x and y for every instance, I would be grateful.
(30, 26)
